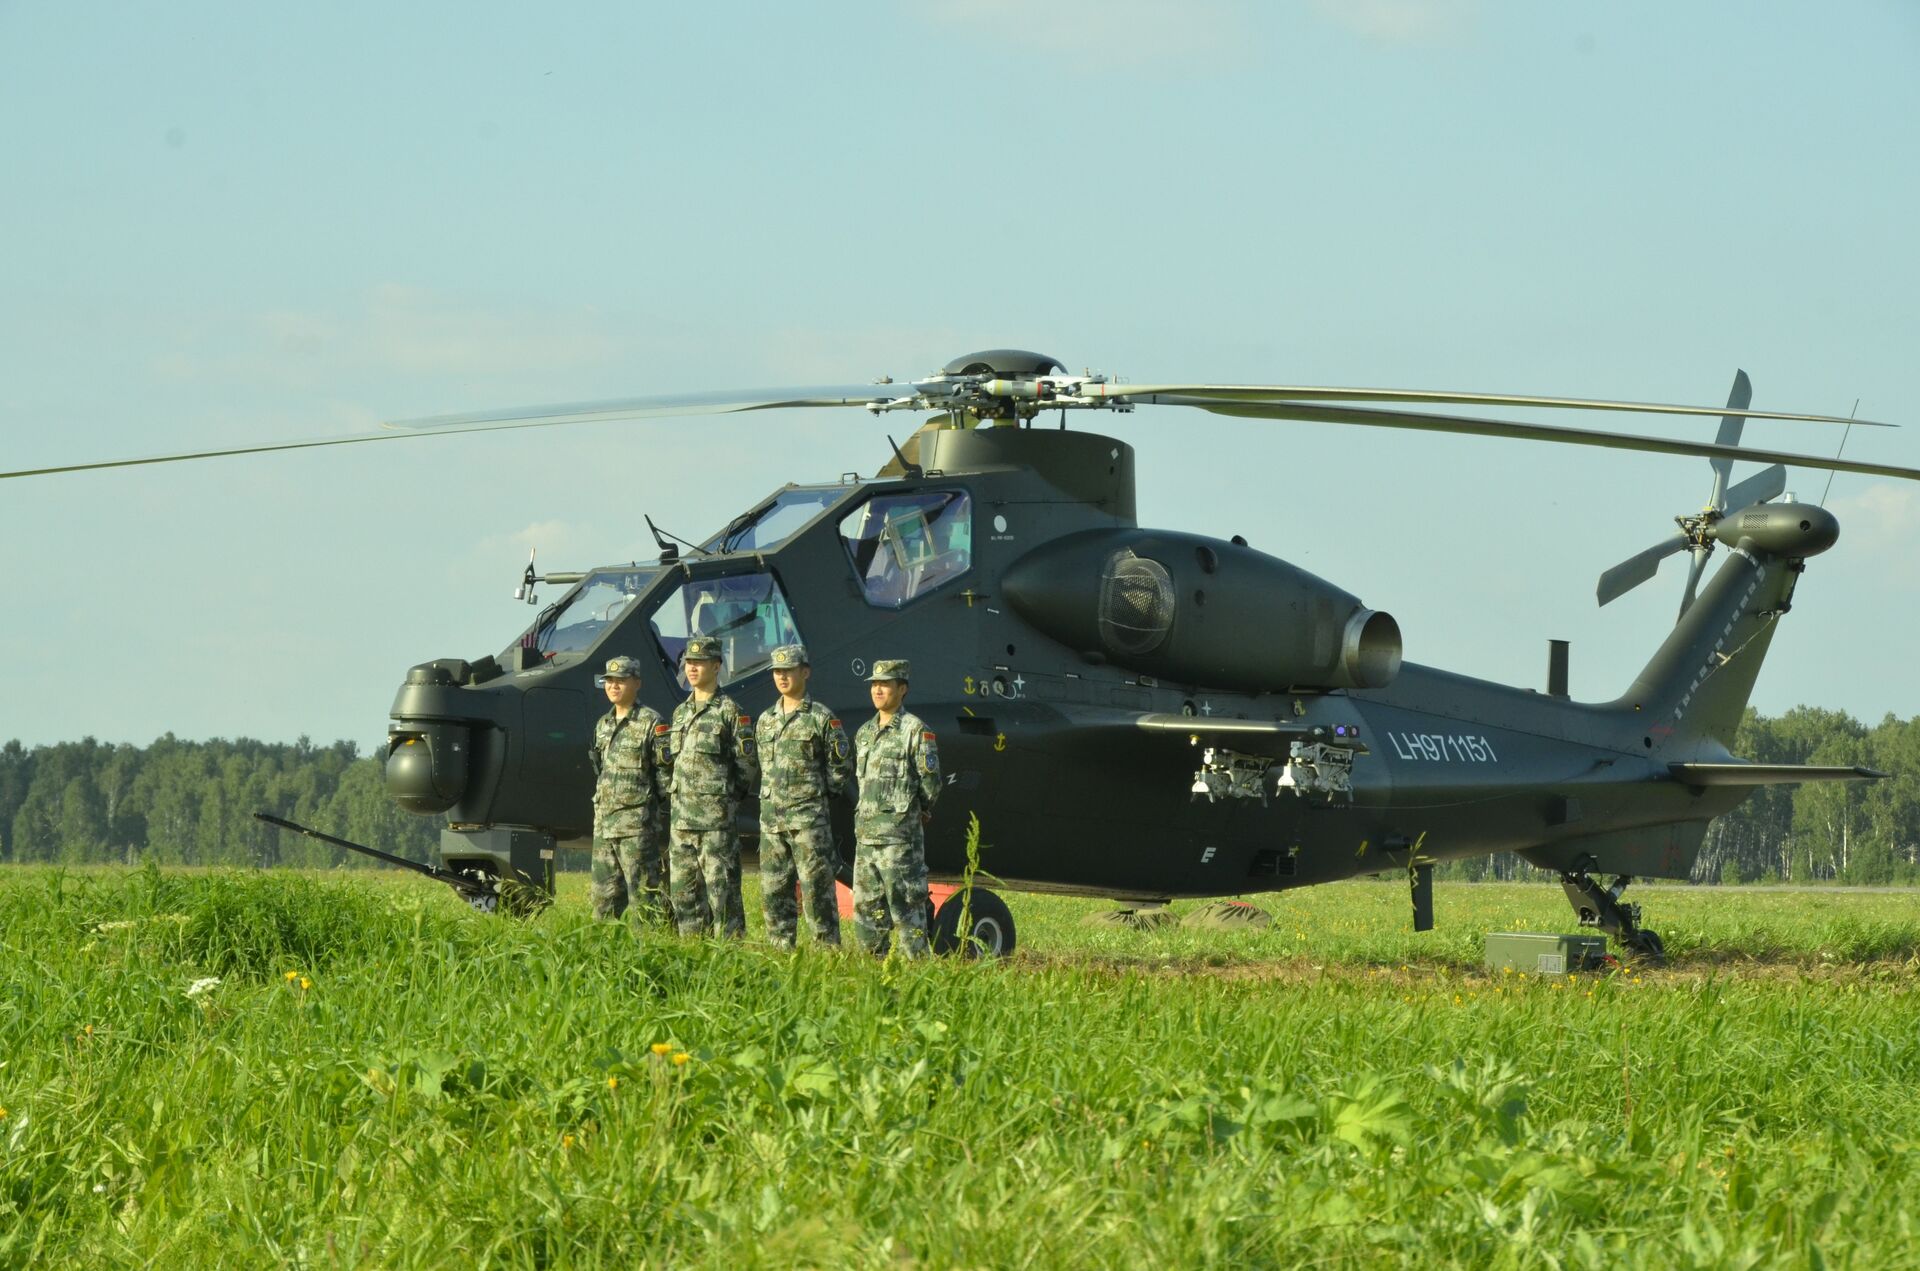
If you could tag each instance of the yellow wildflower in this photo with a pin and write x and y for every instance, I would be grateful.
(613, 1083)
(661, 1048)
(681, 1057)
(3, 1114)
(291, 976)
(305, 983)
(566, 1140)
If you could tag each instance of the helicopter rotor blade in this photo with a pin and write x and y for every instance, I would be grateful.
(655, 407)
(1637, 568)
(1194, 394)
(1423, 422)
(1738, 399)
(1768, 483)
(1729, 435)
(1257, 401)
(524, 417)
(182, 456)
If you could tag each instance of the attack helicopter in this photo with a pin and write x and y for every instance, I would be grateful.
(1133, 713)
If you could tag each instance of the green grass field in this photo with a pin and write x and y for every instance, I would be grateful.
(383, 1079)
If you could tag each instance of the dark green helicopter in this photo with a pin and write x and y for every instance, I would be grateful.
(1134, 713)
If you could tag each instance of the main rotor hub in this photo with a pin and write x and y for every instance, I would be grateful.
(1006, 384)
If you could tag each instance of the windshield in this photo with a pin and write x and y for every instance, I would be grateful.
(747, 613)
(772, 524)
(577, 622)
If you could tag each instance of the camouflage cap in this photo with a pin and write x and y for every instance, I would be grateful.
(623, 668)
(789, 656)
(892, 669)
(702, 649)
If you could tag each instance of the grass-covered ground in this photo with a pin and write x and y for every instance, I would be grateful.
(379, 1078)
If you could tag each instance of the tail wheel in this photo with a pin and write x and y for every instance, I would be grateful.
(1648, 945)
(990, 929)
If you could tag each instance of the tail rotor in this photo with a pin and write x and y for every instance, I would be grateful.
(1695, 533)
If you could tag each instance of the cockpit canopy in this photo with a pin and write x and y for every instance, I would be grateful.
(577, 622)
(900, 545)
(772, 523)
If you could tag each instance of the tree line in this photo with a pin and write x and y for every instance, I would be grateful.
(192, 803)
(1861, 832)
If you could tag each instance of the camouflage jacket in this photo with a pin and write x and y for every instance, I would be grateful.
(628, 755)
(899, 771)
(804, 760)
(713, 762)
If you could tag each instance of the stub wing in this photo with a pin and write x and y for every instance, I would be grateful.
(1204, 726)
(1766, 774)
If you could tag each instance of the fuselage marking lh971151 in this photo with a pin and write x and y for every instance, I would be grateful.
(1443, 747)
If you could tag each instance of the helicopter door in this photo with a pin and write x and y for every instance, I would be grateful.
(903, 546)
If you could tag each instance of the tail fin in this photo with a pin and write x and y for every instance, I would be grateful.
(1695, 688)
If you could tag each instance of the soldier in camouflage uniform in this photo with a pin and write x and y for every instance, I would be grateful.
(714, 768)
(629, 802)
(898, 767)
(803, 763)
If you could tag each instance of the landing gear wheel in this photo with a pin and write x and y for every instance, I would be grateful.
(991, 932)
(1600, 906)
(488, 901)
(1648, 945)
(522, 900)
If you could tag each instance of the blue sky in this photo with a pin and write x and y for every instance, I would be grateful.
(239, 221)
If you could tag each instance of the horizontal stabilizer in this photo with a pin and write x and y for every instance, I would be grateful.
(1766, 774)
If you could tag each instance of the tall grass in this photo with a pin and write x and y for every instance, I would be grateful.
(383, 1079)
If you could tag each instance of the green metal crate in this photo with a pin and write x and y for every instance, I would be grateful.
(1544, 953)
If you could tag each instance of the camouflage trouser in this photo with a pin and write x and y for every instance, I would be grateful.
(630, 870)
(705, 865)
(806, 857)
(890, 890)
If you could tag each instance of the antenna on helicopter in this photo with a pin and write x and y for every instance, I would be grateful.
(912, 470)
(527, 580)
(669, 552)
(1840, 450)
(525, 590)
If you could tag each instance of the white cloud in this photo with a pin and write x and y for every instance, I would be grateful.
(1883, 517)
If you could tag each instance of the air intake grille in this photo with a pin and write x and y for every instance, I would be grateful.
(1136, 604)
